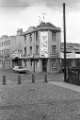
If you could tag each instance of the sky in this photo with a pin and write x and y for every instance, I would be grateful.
(15, 14)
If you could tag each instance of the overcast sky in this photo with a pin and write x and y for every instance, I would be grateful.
(16, 14)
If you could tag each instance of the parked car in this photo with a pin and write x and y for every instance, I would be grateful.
(20, 69)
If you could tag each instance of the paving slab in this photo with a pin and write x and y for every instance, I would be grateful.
(66, 85)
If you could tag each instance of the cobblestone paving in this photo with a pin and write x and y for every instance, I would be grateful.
(39, 101)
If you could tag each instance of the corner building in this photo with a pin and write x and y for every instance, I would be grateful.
(42, 48)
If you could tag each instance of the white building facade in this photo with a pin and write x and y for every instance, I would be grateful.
(42, 48)
(38, 48)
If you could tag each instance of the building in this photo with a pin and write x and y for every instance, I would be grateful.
(4, 51)
(17, 47)
(38, 48)
(72, 54)
(7, 48)
(42, 48)
(11, 49)
(70, 47)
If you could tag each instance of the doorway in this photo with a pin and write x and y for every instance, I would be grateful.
(44, 65)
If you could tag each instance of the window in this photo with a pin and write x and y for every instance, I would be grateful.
(54, 36)
(25, 51)
(30, 37)
(26, 37)
(30, 50)
(53, 49)
(36, 36)
(37, 49)
(53, 64)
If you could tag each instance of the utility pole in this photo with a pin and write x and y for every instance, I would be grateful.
(64, 28)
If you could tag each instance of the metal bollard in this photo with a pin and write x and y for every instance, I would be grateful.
(45, 77)
(33, 78)
(19, 79)
(4, 80)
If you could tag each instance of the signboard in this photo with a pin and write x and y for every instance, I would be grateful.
(16, 54)
(43, 36)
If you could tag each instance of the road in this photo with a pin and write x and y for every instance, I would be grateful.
(39, 101)
(12, 76)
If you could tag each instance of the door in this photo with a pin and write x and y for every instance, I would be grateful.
(44, 65)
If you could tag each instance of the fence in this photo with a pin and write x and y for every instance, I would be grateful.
(73, 75)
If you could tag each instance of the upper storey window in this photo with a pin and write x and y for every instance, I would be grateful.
(53, 49)
(30, 37)
(37, 37)
(53, 36)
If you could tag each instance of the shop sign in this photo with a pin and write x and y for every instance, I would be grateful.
(43, 36)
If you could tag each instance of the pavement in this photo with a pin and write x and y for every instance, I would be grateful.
(66, 85)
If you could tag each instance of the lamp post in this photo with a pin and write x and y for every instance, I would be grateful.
(64, 27)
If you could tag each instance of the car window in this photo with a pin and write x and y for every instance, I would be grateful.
(16, 66)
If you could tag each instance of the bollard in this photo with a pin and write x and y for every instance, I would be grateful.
(4, 80)
(33, 78)
(45, 77)
(19, 79)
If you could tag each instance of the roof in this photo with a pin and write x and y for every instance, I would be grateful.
(71, 47)
(70, 56)
(43, 26)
